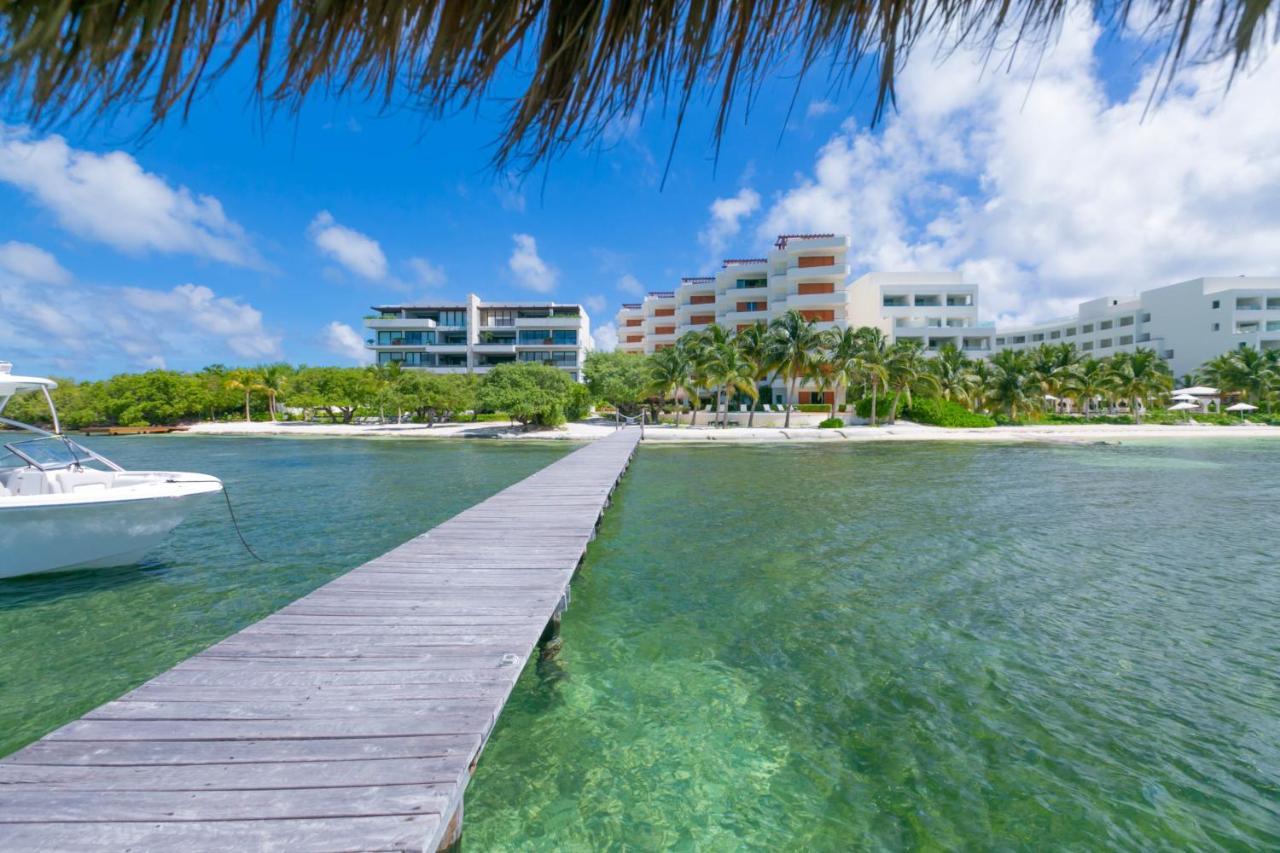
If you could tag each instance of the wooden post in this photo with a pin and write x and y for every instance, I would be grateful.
(451, 841)
(550, 643)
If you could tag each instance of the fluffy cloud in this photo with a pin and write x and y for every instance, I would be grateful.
(606, 337)
(112, 199)
(85, 326)
(529, 268)
(595, 303)
(1041, 188)
(817, 109)
(726, 220)
(31, 263)
(630, 285)
(426, 273)
(342, 340)
(357, 252)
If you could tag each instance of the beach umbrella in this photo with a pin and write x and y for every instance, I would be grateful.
(1185, 398)
(1184, 407)
(1242, 408)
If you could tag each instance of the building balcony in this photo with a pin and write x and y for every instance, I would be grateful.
(548, 322)
(830, 272)
(495, 348)
(397, 324)
(800, 301)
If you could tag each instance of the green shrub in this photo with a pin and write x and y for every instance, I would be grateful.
(944, 413)
(831, 423)
(883, 402)
(578, 406)
(814, 407)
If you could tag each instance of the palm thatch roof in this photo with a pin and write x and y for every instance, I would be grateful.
(580, 65)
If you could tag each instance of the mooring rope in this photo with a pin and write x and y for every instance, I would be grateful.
(226, 496)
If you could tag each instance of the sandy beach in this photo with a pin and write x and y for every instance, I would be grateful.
(591, 430)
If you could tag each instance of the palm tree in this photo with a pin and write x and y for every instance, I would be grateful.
(871, 364)
(1251, 372)
(1086, 381)
(1012, 383)
(696, 351)
(841, 357)
(669, 374)
(275, 379)
(753, 342)
(248, 381)
(1051, 364)
(1138, 376)
(907, 369)
(733, 372)
(954, 372)
(793, 341)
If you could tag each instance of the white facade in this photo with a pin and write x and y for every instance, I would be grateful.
(473, 336)
(809, 273)
(1187, 323)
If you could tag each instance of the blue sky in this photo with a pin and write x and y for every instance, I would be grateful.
(240, 239)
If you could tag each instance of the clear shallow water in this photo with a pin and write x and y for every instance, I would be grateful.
(312, 508)
(910, 646)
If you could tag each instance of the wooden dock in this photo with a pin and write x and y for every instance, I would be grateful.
(351, 719)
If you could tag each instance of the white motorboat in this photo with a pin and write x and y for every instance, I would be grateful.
(63, 507)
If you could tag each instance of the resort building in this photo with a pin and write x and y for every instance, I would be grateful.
(1186, 323)
(810, 273)
(473, 336)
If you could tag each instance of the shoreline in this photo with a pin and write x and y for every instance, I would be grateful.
(591, 431)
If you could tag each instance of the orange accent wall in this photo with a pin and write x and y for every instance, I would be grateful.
(816, 261)
(663, 312)
(657, 347)
(701, 319)
(823, 316)
(664, 330)
(742, 306)
(702, 299)
(744, 326)
(636, 322)
(634, 339)
(817, 287)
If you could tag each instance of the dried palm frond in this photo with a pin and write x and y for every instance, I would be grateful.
(581, 65)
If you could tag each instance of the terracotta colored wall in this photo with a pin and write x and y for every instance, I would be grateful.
(664, 330)
(819, 316)
(817, 287)
(817, 261)
(702, 299)
(635, 322)
(663, 312)
(701, 319)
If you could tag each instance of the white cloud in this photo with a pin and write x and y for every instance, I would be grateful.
(112, 199)
(426, 273)
(236, 323)
(606, 337)
(342, 340)
(726, 220)
(817, 109)
(509, 194)
(595, 303)
(630, 285)
(80, 328)
(530, 270)
(31, 263)
(1043, 190)
(358, 252)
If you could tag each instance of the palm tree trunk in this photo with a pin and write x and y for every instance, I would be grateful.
(1133, 407)
(791, 395)
(873, 405)
(247, 419)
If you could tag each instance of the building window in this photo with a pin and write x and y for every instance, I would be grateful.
(1126, 321)
(1086, 328)
(752, 306)
(405, 339)
(1038, 336)
(999, 342)
(1217, 326)
(1071, 333)
(1125, 340)
(453, 318)
(1215, 303)
(895, 301)
(1146, 318)
(746, 283)
(544, 337)
(1105, 324)
(1105, 343)
(1086, 346)
(498, 317)
(1053, 336)
(555, 356)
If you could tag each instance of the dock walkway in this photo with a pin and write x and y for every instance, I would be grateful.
(350, 719)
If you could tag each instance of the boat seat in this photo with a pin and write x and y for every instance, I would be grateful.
(26, 482)
(73, 482)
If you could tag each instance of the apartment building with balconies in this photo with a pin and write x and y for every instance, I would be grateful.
(1186, 323)
(931, 308)
(474, 336)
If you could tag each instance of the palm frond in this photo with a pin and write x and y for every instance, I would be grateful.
(578, 67)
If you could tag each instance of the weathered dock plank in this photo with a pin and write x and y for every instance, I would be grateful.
(351, 719)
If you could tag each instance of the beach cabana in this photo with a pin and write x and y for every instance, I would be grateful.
(1185, 407)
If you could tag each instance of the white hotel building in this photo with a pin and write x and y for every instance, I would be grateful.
(810, 273)
(1186, 323)
(473, 336)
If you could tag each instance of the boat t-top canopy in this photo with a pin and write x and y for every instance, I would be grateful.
(10, 384)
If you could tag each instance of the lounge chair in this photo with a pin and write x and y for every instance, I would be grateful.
(767, 409)
(708, 408)
(742, 407)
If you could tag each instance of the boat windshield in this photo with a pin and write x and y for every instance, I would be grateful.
(49, 453)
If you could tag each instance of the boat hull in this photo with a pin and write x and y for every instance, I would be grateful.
(90, 535)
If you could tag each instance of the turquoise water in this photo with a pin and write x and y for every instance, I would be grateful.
(312, 508)
(801, 647)
(910, 647)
